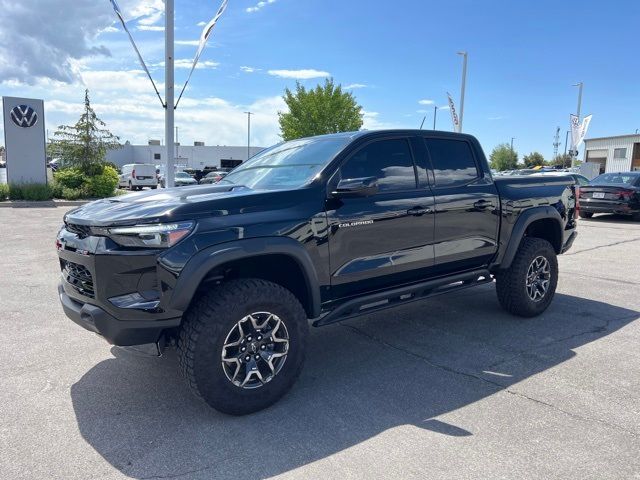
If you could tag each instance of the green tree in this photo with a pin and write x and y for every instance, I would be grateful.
(534, 159)
(325, 109)
(504, 158)
(563, 160)
(84, 145)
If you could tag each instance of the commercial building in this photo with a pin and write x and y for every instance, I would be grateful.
(614, 154)
(197, 156)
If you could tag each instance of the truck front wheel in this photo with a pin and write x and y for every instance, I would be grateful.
(527, 287)
(242, 345)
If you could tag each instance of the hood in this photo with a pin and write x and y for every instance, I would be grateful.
(165, 205)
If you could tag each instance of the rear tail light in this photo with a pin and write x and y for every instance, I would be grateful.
(624, 194)
(578, 194)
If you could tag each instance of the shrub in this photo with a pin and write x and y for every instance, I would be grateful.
(30, 191)
(69, 177)
(56, 189)
(72, 193)
(71, 183)
(4, 192)
(104, 184)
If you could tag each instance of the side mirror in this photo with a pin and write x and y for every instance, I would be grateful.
(356, 187)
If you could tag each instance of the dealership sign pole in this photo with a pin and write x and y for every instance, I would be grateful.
(169, 73)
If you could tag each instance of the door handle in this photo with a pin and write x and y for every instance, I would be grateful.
(417, 211)
(482, 204)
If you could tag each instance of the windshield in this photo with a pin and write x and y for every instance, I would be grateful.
(287, 165)
(621, 178)
(182, 175)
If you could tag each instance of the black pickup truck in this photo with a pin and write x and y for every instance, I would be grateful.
(322, 228)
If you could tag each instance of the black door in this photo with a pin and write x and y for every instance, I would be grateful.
(467, 206)
(385, 238)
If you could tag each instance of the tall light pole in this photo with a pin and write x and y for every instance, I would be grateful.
(177, 143)
(462, 89)
(435, 115)
(169, 91)
(248, 134)
(574, 154)
(512, 139)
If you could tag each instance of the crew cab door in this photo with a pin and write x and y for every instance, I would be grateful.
(385, 238)
(467, 205)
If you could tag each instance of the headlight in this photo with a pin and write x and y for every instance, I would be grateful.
(161, 235)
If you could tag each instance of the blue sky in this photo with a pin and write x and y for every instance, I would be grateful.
(523, 59)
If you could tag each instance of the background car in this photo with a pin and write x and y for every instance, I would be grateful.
(134, 176)
(611, 193)
(213, 177)
(182, 179)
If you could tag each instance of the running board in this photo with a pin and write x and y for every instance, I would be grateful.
(400, 296)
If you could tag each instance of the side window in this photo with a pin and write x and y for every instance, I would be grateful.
(453, 162)
(156, 156)
(389, 161)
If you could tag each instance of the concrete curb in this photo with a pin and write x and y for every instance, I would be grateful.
(43, 204)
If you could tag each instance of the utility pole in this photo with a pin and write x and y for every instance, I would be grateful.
(574, 154)
(169, 111)
(462, 89)
(422, 124)
(435, 115)
(512, 139)
(248, 134)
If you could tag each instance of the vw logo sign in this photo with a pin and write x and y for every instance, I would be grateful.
(24, 116)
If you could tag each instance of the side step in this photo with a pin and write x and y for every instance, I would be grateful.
(400, 296)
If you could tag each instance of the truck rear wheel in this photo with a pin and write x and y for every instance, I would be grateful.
(527, 287)
(242, 345)
(585, 214)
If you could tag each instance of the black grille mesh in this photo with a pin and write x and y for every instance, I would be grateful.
(79, 277)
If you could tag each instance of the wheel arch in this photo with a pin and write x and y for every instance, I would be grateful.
(539, 222)
(252, 258)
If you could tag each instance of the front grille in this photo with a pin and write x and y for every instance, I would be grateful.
(79, 277)
(81, 231)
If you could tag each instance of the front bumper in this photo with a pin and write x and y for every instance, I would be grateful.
(114, 331)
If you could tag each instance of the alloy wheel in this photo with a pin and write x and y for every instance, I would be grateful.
(538, 278)
(255, 350)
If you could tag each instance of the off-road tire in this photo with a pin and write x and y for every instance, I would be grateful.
(511, 283)
(208, 321)
(585, 214)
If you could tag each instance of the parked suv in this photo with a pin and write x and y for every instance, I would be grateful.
(323, 228)
(134, 176)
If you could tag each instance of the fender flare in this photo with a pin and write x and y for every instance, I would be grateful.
(525, 219)
(209, 258)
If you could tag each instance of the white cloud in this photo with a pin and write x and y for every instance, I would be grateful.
(187, 63)
(260, 5)
(109, 30)
(353, 86)
(304, 74)
(249, 69)
(499, 117)
(194, 43)
(371, 121)
(201, 24)
(426, 102)
(150, 28)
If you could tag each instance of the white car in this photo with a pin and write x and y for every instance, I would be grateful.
(134, 176)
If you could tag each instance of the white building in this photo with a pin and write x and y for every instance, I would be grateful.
(614, 154)
(197, 156)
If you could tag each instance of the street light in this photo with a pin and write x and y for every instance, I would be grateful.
(249, 134)
(512, 139)
(435, 115)
(462, 89)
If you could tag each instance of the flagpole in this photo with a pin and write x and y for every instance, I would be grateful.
(169, 92)
(462, 88)
(574, 154)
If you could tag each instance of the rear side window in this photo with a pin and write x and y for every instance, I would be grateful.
(453, 162)
(389, 161)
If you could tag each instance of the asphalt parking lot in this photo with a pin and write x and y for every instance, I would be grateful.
(450, 387)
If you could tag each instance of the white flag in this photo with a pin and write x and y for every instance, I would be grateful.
(578, 130)
(204, 36)
(116, 9)
(454, 115)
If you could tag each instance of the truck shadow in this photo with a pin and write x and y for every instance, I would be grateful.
(400, 367)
